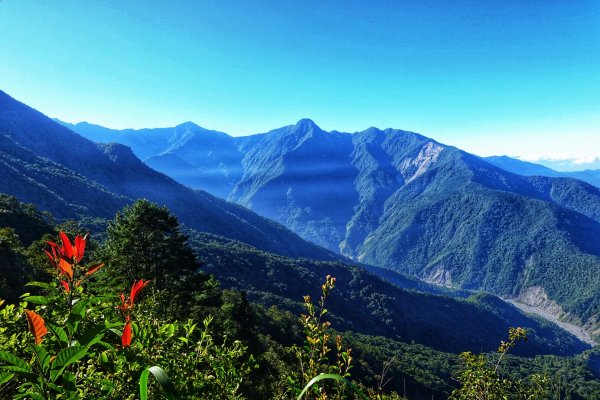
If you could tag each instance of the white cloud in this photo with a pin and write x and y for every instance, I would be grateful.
(564, 161)
(570, 158)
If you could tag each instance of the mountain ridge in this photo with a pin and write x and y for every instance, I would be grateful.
(400, 200)
(110, 175)
(515, 165)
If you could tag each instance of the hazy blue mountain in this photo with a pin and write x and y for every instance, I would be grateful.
(194, 156)
(49, 165)
(299, 175)
(529, 169)
(402, 201)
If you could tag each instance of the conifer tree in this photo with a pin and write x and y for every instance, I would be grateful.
(145, 241)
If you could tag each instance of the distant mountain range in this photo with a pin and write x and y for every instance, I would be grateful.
(591, 176)
(401, 201)
(45, 163)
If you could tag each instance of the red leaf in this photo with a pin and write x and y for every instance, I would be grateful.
(79, 247)
(94, 268)
(135, 290)
(65, 285)
(124, 304)
(51, 258)
(126, 336)
(56, 249)
(67, 247)
(37, 326)
(65, 268)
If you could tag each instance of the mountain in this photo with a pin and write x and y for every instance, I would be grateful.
(530, 169)
(361, 303)
(45, 163)
(194, 156)
(402, 201)
(370, 305)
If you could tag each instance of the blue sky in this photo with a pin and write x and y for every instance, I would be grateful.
(493, 77)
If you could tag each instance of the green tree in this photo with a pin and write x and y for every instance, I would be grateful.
(14, 268)
(145, 242)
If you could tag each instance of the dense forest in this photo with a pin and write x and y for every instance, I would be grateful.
(141, 307)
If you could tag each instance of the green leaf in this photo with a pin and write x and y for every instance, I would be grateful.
(68, 382)
(30, 395)
(167, 330)
(69, 355)
(162, 378)
(55, 387)
(77, 314)
(5, 377)
(79, 308)
(42, 356)
(59, 332)
(43, 300)
(26, 373)
(106, 345)
(65, 358)
(92, 336)
(107, 385)
(14, 360)
(335, 377)
(43, 285)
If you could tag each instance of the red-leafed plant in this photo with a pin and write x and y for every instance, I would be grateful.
(126, 307)
(61, 341)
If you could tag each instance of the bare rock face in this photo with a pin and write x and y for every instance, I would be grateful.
(439, 276)
(413, 168)
(536, 296)
(593, 327)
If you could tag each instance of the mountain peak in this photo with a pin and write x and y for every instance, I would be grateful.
(306, 123)
(188, 124)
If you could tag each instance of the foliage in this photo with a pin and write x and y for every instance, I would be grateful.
(146, 241)
(313, 356)
(369, 305)
(75, 351)
(315, 362)
(113, 347)
(481, 380)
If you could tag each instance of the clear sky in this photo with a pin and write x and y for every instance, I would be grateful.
(512, 77)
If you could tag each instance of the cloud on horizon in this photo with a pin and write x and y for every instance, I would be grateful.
(564, 161)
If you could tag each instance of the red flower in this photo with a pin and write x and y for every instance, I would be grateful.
(126, 307)
(79, 247)
(127, 334)
(73, 254)
(135, 290)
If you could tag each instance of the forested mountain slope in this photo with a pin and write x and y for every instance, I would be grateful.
(47, 164)
(402, 201)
